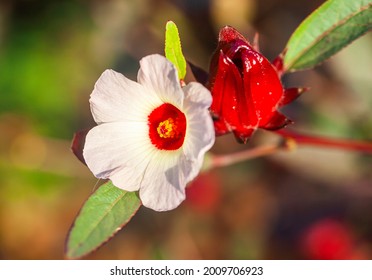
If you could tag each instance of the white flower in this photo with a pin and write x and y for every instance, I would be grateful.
(151, 135)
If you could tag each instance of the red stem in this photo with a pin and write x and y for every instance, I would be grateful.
(354, 145)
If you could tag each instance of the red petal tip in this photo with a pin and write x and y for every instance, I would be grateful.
(243, 137)
(278, 121)
(228, 34)
(290, 94)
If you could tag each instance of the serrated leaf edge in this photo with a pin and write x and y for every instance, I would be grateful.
(324, 34)
(70, 256)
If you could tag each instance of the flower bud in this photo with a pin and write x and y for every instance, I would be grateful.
(246, 88)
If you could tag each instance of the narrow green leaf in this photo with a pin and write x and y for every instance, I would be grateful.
(328, 29)
(105, 212)
(173, 50)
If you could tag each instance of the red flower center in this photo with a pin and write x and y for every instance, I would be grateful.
(167, 127)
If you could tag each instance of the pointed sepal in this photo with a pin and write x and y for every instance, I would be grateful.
(291, 94)
(77, 144)
(225, 88)
(277, 121)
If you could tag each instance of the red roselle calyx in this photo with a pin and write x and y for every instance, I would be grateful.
(246, 88)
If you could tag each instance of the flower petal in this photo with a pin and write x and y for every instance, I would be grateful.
(163, 185)
(159, 76)
(197, 95)
(200, 134)
(116, 98)
(119, 151)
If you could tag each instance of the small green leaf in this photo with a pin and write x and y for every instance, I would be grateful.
(173, 50)
(328, 29)
(105, 212)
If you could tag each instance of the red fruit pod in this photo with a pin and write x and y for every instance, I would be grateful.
(246, 88)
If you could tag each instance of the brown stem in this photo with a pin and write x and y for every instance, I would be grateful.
(290, 140)
(229, 159)
(346, 144)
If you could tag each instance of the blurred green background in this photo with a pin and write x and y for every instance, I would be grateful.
(310, 203)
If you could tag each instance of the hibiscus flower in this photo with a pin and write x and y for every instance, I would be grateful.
(151, 136)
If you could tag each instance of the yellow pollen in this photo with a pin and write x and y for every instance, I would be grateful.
(167, 128)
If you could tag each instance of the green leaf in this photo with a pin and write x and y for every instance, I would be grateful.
(328, 29)
(105, 212)
(173, 50)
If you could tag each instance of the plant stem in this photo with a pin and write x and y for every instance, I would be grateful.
(289, 142)
(229, 159)
(346, 144)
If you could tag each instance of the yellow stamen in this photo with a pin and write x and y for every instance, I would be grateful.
(167, 128)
